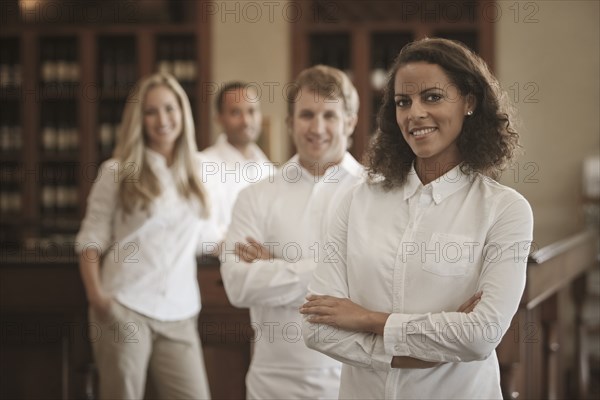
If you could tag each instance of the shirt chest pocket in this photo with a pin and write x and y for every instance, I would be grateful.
(448, 255)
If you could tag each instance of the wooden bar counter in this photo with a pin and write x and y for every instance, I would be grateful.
(44, 334)
(531, 353)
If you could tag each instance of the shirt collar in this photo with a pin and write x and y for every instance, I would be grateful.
(155, 159)
(352, 166)
(441, 188)
(413, 183)
(348, 164)
(256, 154)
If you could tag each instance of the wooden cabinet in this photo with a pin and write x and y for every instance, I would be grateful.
(65, 73)
(362, 38)
(44, 338)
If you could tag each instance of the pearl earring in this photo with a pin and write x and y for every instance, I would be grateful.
(470, 112)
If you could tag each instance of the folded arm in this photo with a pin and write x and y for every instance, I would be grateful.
(256, 280)
(437, 337)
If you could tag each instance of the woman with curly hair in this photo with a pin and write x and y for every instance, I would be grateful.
(384, 301)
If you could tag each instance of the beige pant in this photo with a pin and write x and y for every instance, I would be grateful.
(129, 346)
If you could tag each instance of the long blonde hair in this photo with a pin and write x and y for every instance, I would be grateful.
(137, 182)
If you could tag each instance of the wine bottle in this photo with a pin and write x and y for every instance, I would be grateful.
(164, 63)
(105, 130)
(49, 134)
(62, 65)
(108, 67)
(5, 66)
(48, 65)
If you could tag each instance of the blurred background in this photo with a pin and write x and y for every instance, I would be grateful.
(66, 68)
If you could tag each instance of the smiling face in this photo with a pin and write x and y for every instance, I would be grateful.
(162, 119)
(430, 111)
(320, 129)
(240, 117)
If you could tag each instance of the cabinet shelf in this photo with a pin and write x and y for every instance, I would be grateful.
(10, 93)
(53, 158)
(10, 219)
(12, 157)
(114, 93)
(61, 221)
(58, 92)
(67, 73)
(363, 38)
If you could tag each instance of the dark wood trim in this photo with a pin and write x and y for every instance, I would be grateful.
(145, 42)
(361, 48)
(487, 44)
(74, 30)
(204, 77)
(88, 56)
(388, 26)
(30, 120)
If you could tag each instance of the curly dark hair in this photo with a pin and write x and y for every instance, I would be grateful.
(487, 141)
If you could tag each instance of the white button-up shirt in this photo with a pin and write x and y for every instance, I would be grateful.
(227, 165)
(149, 257)
(418, 252)
(287, 213)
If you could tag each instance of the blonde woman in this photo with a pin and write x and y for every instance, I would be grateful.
(146, 215)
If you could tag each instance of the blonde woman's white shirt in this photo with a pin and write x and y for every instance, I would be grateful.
(148, 257)
(287, 213)
(234, 171)
(418, 252)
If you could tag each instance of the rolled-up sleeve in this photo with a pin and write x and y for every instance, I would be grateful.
(96, 227)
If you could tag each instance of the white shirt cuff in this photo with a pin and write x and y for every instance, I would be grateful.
(381, 362)
(394, 336)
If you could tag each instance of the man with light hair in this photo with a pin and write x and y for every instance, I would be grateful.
(277, 233)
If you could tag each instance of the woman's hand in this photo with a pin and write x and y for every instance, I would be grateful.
(89, 266)
(343, 314)
(409, 362)
(101, 303)
(470, 304)
(347, 315)
(252, 251)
